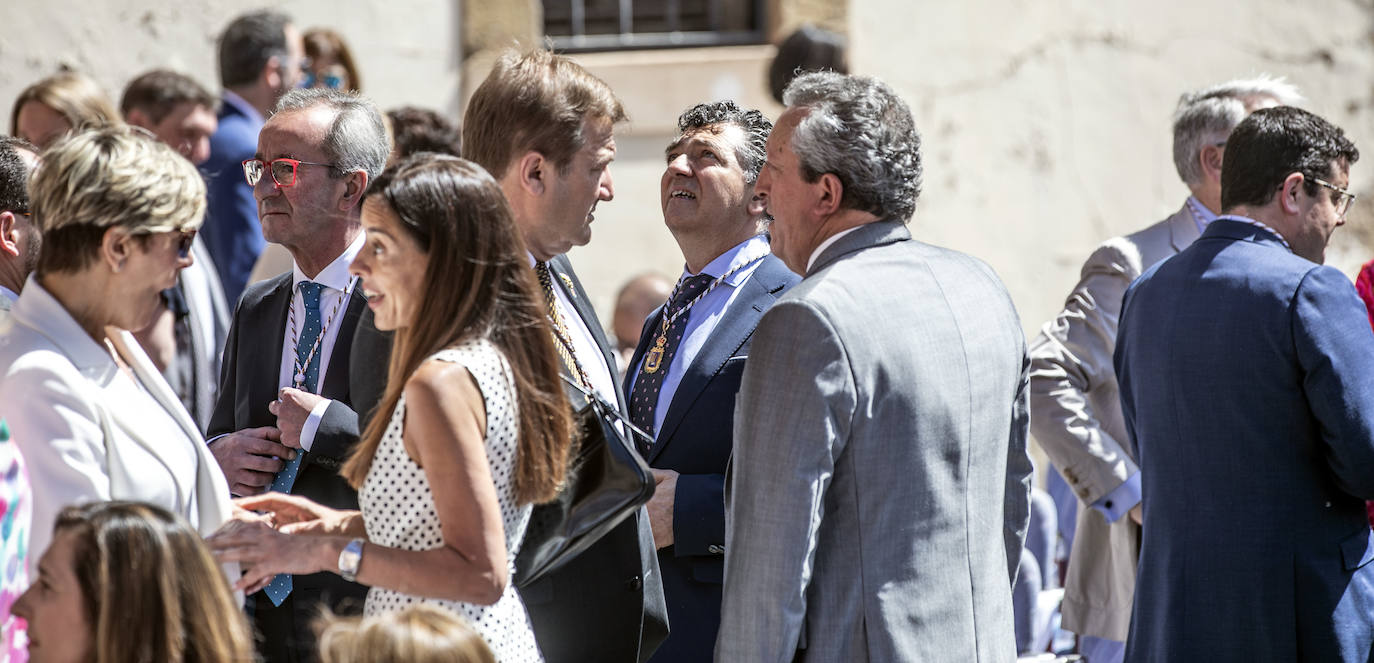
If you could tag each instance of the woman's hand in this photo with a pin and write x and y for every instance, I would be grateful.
(293, 514)
(265, 552)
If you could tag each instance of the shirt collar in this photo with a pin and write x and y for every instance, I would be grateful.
(335, 275)
(9, 294)
(1257, 224)
(735, 258)
(244, 107)
(1201, 215)
(826, 244)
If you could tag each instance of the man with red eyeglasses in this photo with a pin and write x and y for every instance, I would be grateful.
(290, 391)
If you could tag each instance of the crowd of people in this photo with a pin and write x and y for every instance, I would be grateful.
(351, 457)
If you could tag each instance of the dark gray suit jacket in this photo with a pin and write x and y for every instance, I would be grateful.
(879, 492)
(607, 604)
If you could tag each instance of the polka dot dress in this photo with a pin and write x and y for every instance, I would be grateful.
(398, 509)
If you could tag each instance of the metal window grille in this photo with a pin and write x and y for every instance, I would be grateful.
(605, 25)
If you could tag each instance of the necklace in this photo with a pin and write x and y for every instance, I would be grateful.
(654, 359)
(298, 374)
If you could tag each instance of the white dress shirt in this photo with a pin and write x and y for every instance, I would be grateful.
(704, 315)
(820, 248)
(338, 285)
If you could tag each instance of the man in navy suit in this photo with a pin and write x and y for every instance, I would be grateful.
(1247, 385)
(260, 56)
(682, 387)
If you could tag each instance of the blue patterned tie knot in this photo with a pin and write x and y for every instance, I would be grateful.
(306, 372)
(691, 287)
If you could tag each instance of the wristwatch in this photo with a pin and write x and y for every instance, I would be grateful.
(349, 559)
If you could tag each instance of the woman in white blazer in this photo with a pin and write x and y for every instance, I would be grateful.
(92, 417)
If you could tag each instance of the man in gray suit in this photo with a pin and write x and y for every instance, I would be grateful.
(880, 484)
(1075, 410)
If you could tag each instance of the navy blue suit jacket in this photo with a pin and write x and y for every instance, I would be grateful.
(1247, 385)
(231, 230)
(696, 441)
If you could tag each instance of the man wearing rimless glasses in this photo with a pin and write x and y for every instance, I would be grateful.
(290, 391)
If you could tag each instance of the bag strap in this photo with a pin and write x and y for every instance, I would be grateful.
(606, 409)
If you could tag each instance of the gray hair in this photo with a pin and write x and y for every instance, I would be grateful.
(356, 139)
(1207, 116)
(753, 151)
(859, 130)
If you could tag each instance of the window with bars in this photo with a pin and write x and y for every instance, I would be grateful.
(604, 25)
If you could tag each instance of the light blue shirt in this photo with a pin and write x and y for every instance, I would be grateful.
(705, 315)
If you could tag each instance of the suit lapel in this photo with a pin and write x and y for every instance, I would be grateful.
(565, 279)
(738, 322)
(336, 378)
(270, 324)
(875, 233)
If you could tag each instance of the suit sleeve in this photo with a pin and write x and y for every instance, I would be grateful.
(222, 417)
(1016, 514)
(337, 433)
(1070, 359)
(791, 424)
(1335, 349)
(58, 432)
(698, 517)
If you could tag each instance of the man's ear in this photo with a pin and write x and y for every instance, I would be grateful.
(116, 245)
(271, 73)
(1289, 198)
(139, 118)
(355, 183)
(831, 193)
(9, 233)
(532, 172)
(1210, 159)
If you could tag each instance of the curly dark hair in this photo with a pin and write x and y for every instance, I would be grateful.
(14, 174)
(415, 130)
(756, 129)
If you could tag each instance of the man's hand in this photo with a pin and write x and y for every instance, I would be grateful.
(661, 507)
(292, 408)
(251, 458)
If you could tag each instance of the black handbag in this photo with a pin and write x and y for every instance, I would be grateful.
(607, 481)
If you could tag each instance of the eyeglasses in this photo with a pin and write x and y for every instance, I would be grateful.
(1343, 198)
(331, 81)
(283, 170)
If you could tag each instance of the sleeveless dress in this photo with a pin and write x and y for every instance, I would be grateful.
(398, 508)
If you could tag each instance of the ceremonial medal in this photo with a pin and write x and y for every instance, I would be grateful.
(655, 356)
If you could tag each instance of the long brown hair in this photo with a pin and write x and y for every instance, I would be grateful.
(153, 591)
(478, 284)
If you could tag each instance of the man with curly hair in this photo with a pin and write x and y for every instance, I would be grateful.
(879, 493)
(686, 370)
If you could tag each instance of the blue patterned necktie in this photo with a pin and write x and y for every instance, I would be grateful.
(280, 587)
(654, 368)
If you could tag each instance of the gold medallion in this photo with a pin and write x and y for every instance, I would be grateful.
(655, 357)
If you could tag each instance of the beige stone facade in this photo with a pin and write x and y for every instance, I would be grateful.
(1046, 124)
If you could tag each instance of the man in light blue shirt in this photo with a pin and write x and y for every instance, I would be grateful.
(683, 377)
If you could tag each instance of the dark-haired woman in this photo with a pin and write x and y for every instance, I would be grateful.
(479, 429)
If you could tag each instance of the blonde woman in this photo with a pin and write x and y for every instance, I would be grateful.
(419, 634)
(91, 415)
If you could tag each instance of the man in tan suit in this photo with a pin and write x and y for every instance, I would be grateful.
(1075, 410)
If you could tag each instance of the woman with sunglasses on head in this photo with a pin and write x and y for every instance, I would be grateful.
(91, 415)
(473, 429)
(329, 62)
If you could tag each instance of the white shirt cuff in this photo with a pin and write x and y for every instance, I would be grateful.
(312, 424)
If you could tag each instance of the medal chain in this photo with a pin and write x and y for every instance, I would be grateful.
(298, 374)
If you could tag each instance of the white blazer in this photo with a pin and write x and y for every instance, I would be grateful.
(90, 430)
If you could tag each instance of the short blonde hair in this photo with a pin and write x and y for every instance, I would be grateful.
(110, 177)
(74, 96)
(421, 633)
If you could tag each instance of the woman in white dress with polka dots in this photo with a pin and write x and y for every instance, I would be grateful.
(479, 427)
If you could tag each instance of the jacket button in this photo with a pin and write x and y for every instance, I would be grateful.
(634, 584)
(715, 549)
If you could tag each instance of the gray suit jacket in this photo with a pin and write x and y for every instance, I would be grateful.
(1076, 418)
(879, 492)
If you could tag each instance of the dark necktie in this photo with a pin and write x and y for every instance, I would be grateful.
(280, 587)
(662, 346)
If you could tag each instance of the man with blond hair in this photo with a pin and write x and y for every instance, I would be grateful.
(1075, 412)
(543, 127)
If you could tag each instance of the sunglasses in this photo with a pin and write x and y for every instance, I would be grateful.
(331, 81)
